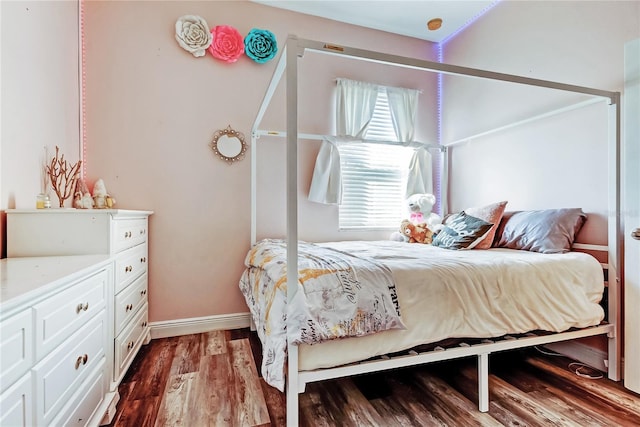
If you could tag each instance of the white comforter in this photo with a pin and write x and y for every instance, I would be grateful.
(470, 294)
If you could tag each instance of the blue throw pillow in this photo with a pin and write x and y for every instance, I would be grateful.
(462, 232)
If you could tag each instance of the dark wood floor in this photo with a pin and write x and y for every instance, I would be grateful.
(211, 380)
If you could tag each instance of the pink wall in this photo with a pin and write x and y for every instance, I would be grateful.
(558, 162)
(152, 109)
(40, 104)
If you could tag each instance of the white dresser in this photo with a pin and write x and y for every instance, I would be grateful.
(122, 235)
(54, 342)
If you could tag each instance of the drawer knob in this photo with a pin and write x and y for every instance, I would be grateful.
(143, 292)
(127, 234)
(144, 324)
(130, 346)
(128, 307)
(82, 307)
(128, 269)
(81, 360)
(141, 232)
(143, 259)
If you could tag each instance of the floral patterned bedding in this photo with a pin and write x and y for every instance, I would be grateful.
(339, 295)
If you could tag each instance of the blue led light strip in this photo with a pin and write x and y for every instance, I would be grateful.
(440, 59)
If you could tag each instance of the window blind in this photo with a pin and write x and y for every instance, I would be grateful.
(381, 127)
(373, 181)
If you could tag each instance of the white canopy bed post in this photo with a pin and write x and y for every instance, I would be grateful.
(292, 222)
(616, 240)
(444, 181)
(483, 382)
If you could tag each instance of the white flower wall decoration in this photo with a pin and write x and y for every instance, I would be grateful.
(193, 34)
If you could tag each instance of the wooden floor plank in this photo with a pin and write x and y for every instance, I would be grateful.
(213, 343)
(313, 411)
(569, 400)
(276, 404)
(187, 354)
(467, 412)
(139, 413)
(354, 408)
(468, 387)
(249, 403)
(407, 406)
(580, 416)
(507, 418)
(214, 390)
(174, 409)
(505, 392)
(152, 374)
(124, 390)
(148, 355)
(514, 400)
(627, 404)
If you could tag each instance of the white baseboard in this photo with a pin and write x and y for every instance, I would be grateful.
(582, 353)
(196, 325)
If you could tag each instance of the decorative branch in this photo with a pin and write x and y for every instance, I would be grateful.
(63, 177)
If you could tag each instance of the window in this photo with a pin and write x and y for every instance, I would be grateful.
(374, 175)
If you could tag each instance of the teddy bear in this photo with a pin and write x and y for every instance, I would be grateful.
(419, 211)
(416, 233)
(419, 206)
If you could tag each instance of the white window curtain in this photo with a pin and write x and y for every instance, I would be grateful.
(419, 179)
(356, 102)
(403, 104)
(326, 183)
(355, 106)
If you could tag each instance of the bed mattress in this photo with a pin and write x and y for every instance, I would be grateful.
(446, 294)
(470, 294)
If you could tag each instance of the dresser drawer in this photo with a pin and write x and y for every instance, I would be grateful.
(129, 265)
(59, 316)
(62, 372)
(16, 347)
(128, 342)
(82, 406)
(128, 233)
(16, 404)
(129, 301)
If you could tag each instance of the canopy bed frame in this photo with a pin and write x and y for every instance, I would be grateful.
(294, 50)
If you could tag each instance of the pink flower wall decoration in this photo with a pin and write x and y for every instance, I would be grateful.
(227, 44)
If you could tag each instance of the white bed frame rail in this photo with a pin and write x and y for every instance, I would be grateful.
(481, 350)
(294, 49)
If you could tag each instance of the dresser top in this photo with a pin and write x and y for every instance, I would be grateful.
(26, 279)
(115, 212)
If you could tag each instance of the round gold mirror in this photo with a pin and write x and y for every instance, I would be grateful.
(229, 145)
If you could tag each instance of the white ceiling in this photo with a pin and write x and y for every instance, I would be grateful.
(405, 17)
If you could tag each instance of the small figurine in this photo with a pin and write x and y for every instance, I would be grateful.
(101, 198)
(81, 197)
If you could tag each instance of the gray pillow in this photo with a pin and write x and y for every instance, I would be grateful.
(547, 231)
(462, 232)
